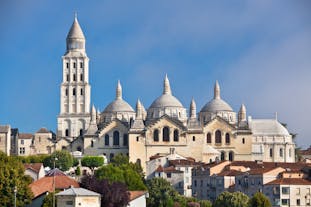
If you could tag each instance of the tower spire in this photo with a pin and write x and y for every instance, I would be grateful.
(242, 113)
(216, 90)
(119, 91)
(193, 109)
(167, 87)
(138, 110)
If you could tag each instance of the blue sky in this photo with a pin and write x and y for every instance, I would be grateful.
(259, 51)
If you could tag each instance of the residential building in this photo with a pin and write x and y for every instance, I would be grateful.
(138, 198)
(34, 170)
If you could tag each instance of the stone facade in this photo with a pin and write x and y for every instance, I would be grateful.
(5, 139)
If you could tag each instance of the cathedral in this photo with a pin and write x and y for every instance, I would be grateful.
(215, 133)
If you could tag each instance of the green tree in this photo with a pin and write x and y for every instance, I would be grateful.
(48, 200)
(92, 161)
(236, 199)
(160, 192)
(78, 171)
(120, 160)
(205, 203)
(63, 160)
(111, 173)
(259, 200)
(11, 175)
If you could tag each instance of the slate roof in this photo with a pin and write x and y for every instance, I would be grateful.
(268, 127)
(77, 192)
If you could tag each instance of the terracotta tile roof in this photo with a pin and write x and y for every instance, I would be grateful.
(136, 194)
(45, 184)
(34, 166)
(43, 130)
(306, 151)
(170, 169)
(182, 162)
(290, 181)
(229, 173)
(270, 165)
(25, 136)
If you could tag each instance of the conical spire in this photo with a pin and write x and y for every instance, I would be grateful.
(216, 91)
(193, 109)
(119, 91)
(167, 87)
(138, 110)
(75, 31)
(93, 113)
(242, 113)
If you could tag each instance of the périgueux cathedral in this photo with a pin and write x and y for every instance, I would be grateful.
(217, 132)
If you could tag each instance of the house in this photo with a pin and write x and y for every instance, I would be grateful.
(137, 198)
(78, 197)
(34, 170)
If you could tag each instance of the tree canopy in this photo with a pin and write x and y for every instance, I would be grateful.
(112, 194)
(11, 175)
(259, 200)
(236, 199)
(92, 161)
(63, 161)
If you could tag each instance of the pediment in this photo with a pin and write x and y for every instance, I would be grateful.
(116, 123)
(218, 122)
(166, 121)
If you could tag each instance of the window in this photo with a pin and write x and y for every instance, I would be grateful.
(137, 139)
(298, 202)
(227, 138)
(66, 92)
(271, 152)
(74, 91)
(243, 140)
(74, 77)
(92, 143)
(285, 190)
(169, 175)
(125, 139)
(176, 135)
(81, 91)
(67, 77)
(166, 134)
(218, 137)
(193, 138)
(81, 132)
(67, 65)
(281, 152)
(81, 77)
(74, 65)
(69, 202)
(22, 150)
(66, 132)
(22, 142)
(156, 135)
(107, 140)
(231, 156)
(116, 137)
(285, 202)
(208, 138)
(195, 183)
(111, 156)
(81, 64)
(222, 155)
(308, 202)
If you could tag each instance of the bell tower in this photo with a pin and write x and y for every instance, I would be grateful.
(75, 90)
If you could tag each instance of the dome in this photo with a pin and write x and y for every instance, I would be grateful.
(75, 31)
(216, 105)
(166, 100)
(118, 105)
(268, 127)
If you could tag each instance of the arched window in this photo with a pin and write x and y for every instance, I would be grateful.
(222, 156)
(116, 138)
(227, 138)
(243, 141)
(81, 77)
(271, 152)
(208, 138)
(81, 132)
(107, 140)
(67, 132)
(218, 137)
(125, 139)
(231, 156)
(281, 152)
(79, 148)
(67, 77)
(193, 138)
(66, 92)
(176, 135)
(74, 91)
(166, 134)
(156, 135)
(81, 91)
(74, 77)
(92, 143)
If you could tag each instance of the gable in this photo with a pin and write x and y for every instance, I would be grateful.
(218, 123)
(112, 125)
(166, 121)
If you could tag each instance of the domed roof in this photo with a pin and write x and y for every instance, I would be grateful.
(75, 31)
(118, 105)
(166, 99)
(216, 104)
(268, 127)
